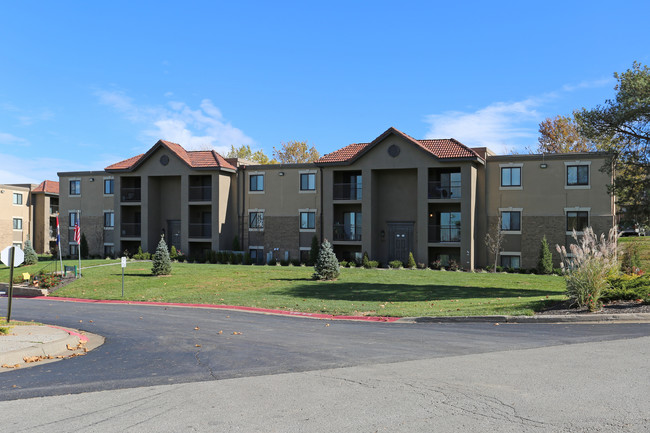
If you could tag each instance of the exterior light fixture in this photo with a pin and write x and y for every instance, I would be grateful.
(543, 165)
(281, 173)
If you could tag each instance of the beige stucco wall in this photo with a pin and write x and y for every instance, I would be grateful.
(43, 214)
(9, 211)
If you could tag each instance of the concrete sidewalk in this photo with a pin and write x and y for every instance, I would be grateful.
(28, 345)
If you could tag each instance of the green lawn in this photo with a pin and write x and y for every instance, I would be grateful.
(372, 292)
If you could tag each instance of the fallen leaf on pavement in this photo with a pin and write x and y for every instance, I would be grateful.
(236, 333)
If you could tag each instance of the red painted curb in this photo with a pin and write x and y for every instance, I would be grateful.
(73, 333)
(227, 307)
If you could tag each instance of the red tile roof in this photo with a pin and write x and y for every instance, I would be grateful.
(193, 158)
(47, 186)
(446, 148)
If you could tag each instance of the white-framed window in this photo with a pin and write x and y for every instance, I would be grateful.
(18, 223)
(576, 219)
(18, 198)
(257, 254)
(577, 174)
(511, 220)
(73, 218)
(109, 186)
(308, 220)
(18, 245)
(75, 187)
(307, 181)
(109, 219)
(256, 182)
(511, 176)
(73, 249)
(109, 250)
(510, 260)
(256, 219)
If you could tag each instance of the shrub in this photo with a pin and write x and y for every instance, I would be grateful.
(437, 265)
(313, 252)
(453, 265)
(162, 265)
(181, 258)
(235, 243)
(272, 262)
(327, 267)
(30, 255)
(372, 264)
(352, 264)
(499, 268)
(343, 264)
(173, 254)
(545, 261)
(365, 260)
(630, 260)
(586, 272)
(295, 262)
(248, 260)
(395, 264)
(284, 262)
(411, 262)
(421, 265)
(46, 281)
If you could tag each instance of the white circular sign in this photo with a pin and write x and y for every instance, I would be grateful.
(19, 256)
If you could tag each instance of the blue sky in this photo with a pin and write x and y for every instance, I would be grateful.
(87, 84)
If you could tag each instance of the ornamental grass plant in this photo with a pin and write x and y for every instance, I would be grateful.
(586, 266)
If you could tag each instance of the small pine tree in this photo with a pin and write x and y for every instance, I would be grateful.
(83, 246)
(235, 244)
(365, 261)
(173, 254)
(327, 267)
(162, 265)
(313, 253)
(545, 261)
(30, 255)
(411, 263)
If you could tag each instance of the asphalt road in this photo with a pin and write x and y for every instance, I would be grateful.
(152, 345)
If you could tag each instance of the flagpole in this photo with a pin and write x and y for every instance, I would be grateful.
(79, 243)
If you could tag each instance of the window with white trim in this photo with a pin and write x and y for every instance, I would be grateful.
(511, 221)
(109, 186)
(307, 181)
(256, 182)
(109, 219)
(18, 223)
(510, 176)
(577, 175)
(18, 198)
(577, 220)
(308, 220)
(511, 261)
(256, 220)
(74, 218)
(75, 187)
(73, 249)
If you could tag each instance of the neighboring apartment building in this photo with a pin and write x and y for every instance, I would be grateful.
(389, 197)
(29, 211)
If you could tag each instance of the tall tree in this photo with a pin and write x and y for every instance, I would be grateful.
(560, 135)
(623, 126)
(294, 152)
(245, 152)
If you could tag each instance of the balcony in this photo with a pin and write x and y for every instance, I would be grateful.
(130, 194)
(200, 193)
(54, 209)
(346, 232)
(444, 233)
(200, 230)
(347, 191)
(444, 190)
(130, 230)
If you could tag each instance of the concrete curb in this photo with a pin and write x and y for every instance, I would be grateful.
(572, 318)
(50, 348)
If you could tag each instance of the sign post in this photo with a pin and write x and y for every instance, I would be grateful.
(11, 256)
(123, 266)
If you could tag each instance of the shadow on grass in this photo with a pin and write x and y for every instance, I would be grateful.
(402, 293)
(292, 279)
(135, 275)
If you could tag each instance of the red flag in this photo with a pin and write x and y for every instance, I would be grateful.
(58, 234)
(77, 233)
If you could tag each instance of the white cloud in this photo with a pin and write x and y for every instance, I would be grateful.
(499, 126)
(33, 169)
(588, 84)
(202, 128)
(12, 140)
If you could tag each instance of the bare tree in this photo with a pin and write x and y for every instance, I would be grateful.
(494, 241)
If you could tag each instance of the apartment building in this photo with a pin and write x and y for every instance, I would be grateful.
(388, 197)
(28, 211)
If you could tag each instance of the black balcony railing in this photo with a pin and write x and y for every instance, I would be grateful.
(131, 230)
(446, 233)
(347, 232)
(130, 194)
(54, 209)
(200, 193)
(347, 191)
(200, 231)
(441, 190)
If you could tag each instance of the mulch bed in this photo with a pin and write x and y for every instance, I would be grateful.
(614, 307)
